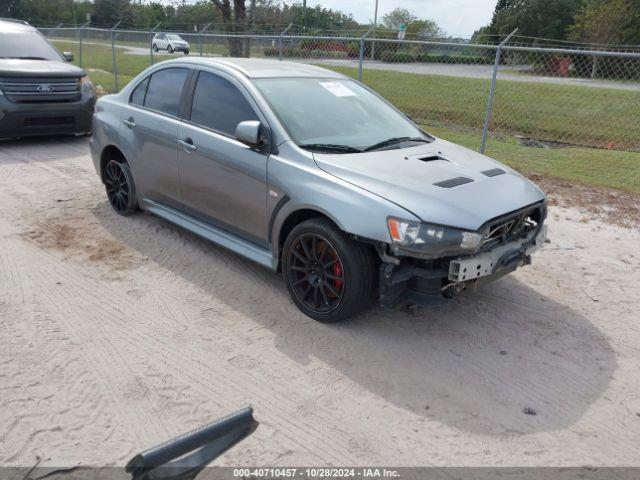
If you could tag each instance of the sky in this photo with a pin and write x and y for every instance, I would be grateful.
(459, 18)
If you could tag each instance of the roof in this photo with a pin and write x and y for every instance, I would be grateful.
(11, 25)
(263, 68)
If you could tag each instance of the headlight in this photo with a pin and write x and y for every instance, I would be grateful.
(86, 86)
(431, 241)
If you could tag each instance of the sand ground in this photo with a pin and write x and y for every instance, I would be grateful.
(118, 333)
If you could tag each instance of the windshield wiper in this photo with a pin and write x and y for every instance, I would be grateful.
(329, 147)
(393, 141)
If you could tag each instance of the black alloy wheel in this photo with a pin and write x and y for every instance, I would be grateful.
(329, 275)
(316, 273)
(120, 188)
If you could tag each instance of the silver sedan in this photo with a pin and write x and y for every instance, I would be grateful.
(309, 172)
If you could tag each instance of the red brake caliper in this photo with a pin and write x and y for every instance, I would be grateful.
(337, 271)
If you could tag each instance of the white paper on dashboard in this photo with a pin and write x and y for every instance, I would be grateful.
(338, 89)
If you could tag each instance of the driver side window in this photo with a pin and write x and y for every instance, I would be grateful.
(219, 105)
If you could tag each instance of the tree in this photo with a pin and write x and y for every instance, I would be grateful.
(234, 17)
(397, 17)
(500, 6)
(415, 25)
(46, 12)
(605, 21)
(108, 12)
(534, 18)
(10, 8)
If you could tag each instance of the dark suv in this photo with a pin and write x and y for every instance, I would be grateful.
(40, 92)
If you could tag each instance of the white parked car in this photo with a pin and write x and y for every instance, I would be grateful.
(170, 42)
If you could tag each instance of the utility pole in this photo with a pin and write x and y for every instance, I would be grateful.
(304, 15)
(375, 24)
(375, 17)
(253, 16)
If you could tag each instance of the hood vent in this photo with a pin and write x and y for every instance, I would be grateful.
(494, 172)
(432, 158)
(453, 182)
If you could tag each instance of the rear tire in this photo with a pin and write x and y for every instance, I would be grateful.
(329, 276)
(169, 49)
(121, 190)
(155, 48)
(186, 52)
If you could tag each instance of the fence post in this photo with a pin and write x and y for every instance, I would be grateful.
(200, 36)
(113, 55)
(151, 41)
(361, 60)
(80, 45)
(280, 40)
(492, 91)
(80, 34)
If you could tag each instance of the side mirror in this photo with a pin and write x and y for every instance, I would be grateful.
(248, 132)
(68, 56)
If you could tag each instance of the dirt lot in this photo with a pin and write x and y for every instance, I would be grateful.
(118, 333)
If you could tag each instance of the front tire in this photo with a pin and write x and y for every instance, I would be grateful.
(329, 276)
(186, 52)
(121, 190)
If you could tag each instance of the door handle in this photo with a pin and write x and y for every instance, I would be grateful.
(188, 145)
(129, 122)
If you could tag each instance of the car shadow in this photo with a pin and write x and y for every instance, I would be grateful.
(502, 361)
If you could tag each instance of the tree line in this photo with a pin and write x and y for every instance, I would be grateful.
(615, 22)
(230, 15)
(238, 14)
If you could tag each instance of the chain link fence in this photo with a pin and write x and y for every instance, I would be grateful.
(536, 96)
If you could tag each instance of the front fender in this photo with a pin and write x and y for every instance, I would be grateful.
(301, 185)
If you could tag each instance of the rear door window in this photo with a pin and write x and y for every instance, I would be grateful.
(165, 89)
(137, 97)
(219, 105)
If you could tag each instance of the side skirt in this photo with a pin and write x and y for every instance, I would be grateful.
(213, 234)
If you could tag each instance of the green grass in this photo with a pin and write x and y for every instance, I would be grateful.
(578, 115)
(453, 108)
(589, 166)
(437, 102)
(98, 61)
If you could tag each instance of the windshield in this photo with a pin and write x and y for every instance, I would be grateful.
(22, 43)
(174, 37)
(334, 113)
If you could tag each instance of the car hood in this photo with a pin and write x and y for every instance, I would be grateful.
(11, 67)
(407, 176)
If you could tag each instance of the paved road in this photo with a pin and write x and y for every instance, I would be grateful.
(479, 72)
(119, 332)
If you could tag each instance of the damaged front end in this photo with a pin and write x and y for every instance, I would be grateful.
(426, 270)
